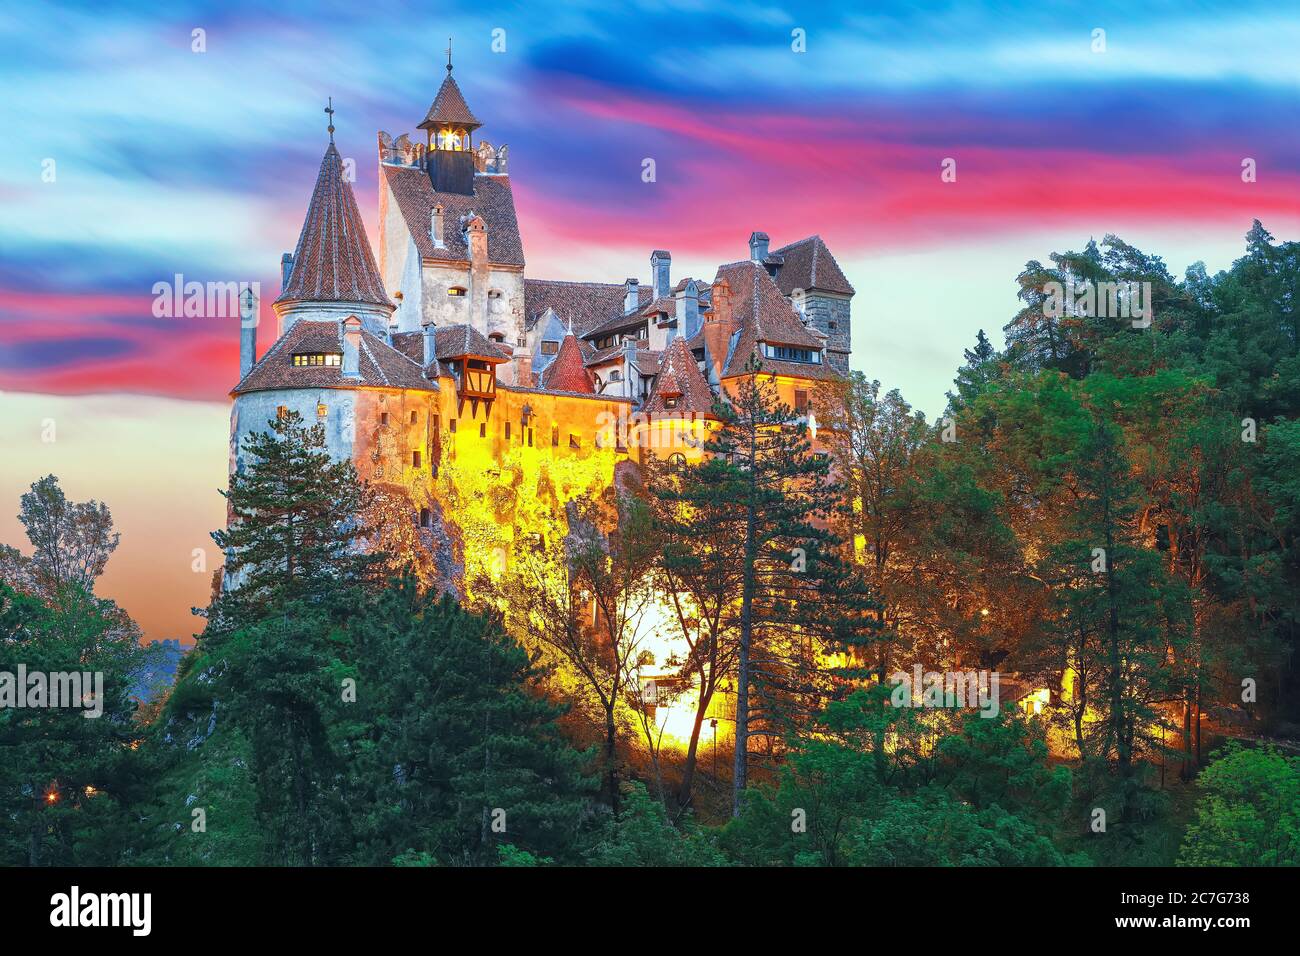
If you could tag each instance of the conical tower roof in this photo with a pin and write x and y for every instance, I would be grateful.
(333, 261)
(449, 108)
(567, 371)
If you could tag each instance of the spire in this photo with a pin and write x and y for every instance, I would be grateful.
(333, 261)
(330, 110)
(449, 109)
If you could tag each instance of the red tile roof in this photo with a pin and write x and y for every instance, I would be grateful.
(567, 372)
(809, 265)
(333, 261)
(449, 108)
(680, 378)
(591, 305)
(492, 200)
(378, 362)
(765, 315)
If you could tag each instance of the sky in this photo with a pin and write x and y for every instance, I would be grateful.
(136, 149)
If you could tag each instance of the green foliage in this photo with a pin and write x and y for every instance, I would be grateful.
(1249, 811)
(642, 835)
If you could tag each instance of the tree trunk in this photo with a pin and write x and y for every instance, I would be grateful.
(742, 668)
(688, 770)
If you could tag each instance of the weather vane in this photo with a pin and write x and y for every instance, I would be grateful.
(330, 110)
(448, 54)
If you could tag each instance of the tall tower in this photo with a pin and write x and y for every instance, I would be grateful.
(449, 127)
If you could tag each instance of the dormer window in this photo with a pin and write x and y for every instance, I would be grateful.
(790, 353)
(550, 347)
(456, 292)
(498, 337)
(306, 359)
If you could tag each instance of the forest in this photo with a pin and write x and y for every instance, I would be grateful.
(1107, 510)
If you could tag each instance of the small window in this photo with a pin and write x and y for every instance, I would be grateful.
(670, 402)
(498, 337)
(452, 425)
(573, 441)
(322, 409)
(383, 419)
(456, 292)
(550, 348)
(426, 518)
(482, 429)
(555, 436)
(530, 438)
(415, 417)
(616, 376)
(282, 412)
(832, 326)
(801, 400)
(507, 431)
(415, 459)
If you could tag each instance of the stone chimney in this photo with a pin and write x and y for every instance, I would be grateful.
(523, 367)
(352, 347)
(435, 227)
(719, 326)
(430, 351)
(660, 261)
(248, 318)
(758, 243)
(480, 272)
(631, 294)
(688, 310)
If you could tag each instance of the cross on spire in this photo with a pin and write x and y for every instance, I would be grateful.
(330, 110)
(448, 54)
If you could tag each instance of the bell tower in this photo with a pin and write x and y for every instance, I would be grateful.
(449, 127)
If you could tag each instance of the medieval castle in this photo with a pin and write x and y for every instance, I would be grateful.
(443, 351)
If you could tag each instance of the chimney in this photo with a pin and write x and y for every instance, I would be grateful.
(523, 365)
(718, 329)
(286, 268)
(430, 352)
(435, 226)
(757, 246)
(352, 347)
(248, 318)
(631, 295)
(688, 310)
(476, 239)
(659, 263)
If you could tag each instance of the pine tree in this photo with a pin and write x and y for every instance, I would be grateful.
(457, 754)
(294, 532)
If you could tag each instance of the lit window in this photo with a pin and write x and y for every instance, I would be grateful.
(670, 402)
(303, 359)
(322, 410)
(282, 412)
(456, 291)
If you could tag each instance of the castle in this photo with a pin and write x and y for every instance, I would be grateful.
(440, 367)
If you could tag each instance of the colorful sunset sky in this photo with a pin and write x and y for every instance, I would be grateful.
(169, 161)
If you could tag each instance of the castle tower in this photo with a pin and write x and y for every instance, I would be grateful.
(448, 236)
(332, 272)
(449, 128)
